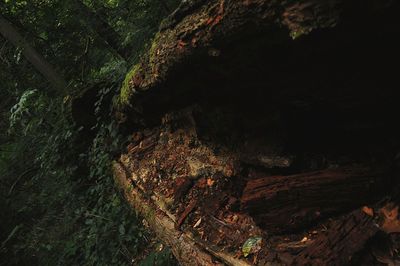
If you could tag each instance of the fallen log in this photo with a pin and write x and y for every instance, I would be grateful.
(237, 56)
(196, 30)
(286, 203)
(209, 202)
(187, 249)
(343, 238)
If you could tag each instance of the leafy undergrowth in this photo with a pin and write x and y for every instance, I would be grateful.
(59, 204)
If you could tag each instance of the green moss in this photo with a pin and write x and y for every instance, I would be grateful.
(149, 214)
(299, 32)
(154, 43)
(152, 54)
(126, 91)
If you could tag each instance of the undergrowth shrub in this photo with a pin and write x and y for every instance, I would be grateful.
(65, 220)
(58, 202)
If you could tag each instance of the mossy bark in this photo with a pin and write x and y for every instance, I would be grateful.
(199, 30)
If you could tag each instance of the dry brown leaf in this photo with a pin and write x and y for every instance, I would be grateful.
(181, 44)
(391, 223)
(368, 211)
(197, 223)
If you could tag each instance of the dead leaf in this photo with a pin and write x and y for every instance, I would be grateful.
(305, 239)
(197, 223)
(368, 211)
(181, 44)
(391, 223)
(201, 183)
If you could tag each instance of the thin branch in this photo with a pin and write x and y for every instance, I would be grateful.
(20, 177)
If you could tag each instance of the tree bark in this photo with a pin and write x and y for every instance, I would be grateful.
(34, 57)
(304, 198)
(340, 242)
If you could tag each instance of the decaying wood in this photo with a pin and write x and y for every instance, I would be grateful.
(184, 247)
(197, 28)
(284, 203)
(188, 210)
(277, 203)
(223, 186)
(195, 186)
(343, 238)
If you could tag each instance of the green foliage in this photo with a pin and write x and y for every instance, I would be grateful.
(72, 219)
(35, 177)
(162, 258)
(58, 201)
(110, 233)
(27, 112)
(112, 70)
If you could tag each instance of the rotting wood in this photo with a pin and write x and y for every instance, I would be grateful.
(294, 202)
(199, 26)
(185, 248)
(302, 198)
(185, 213)
(343, 238)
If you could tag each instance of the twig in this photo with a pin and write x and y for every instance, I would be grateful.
(20, 177)
(185, 213)
(219, 221)
(97, 216)
(13, 232)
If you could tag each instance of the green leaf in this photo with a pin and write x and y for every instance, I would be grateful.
(121, 229)
(252, 245)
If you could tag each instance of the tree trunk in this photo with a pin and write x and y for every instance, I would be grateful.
(103, 30)
(37, 60)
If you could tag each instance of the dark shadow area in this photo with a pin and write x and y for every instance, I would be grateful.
(334, 90)
(325, 100)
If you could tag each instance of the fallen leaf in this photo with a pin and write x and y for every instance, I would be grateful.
(251, 246)
(197, 223)
(391, 223)
(305, 239)
(368, 211)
